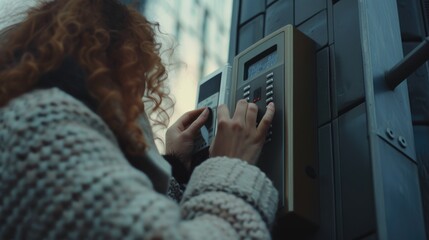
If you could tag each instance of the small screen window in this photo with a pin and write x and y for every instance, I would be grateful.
(210, 87)
(260, 63)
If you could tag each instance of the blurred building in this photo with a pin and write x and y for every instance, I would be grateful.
(199, 31)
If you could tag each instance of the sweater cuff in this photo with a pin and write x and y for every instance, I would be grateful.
(237, 177)
(179, 171)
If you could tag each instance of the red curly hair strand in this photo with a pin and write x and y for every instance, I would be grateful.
(114, 44)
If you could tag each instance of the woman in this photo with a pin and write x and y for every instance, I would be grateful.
(72, 78)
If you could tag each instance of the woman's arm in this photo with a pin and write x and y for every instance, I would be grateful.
(63, 176)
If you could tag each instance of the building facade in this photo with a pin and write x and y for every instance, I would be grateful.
(373, 141)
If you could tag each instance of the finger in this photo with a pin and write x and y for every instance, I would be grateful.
(197, 123)
(189, 117)
(266, 120)
(251, 115)
(240, 110)
(222, 113)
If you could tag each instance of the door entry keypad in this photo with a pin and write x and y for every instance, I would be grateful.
(259, 94)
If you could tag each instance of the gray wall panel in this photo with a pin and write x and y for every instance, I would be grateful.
(418, 88)
(421, 135)
(372, 236)
(348, 55)
(278, 15)
(270, 1)
(333, 82)
(323, 87)
(404, 218)
(250, 33)
(250, 8)
(337, 179)
(425, 6)
(326, 179)
(329, 9)
(412, 26)
(305, 9)
(317, 29)
(356, 174)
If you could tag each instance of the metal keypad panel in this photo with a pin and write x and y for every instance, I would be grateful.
(270, 85)
(257, 96)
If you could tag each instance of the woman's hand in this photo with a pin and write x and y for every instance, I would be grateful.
(179, 138)
(239, 137)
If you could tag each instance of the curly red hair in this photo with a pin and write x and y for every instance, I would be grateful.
(114, 44)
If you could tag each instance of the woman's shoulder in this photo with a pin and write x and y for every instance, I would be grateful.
(41, 99)
(40, 108)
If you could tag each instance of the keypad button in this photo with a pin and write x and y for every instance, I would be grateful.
(246, 94)
(270, 75)
(270, 99)
(269, 87)
(270, 81)
(270, 93)
(246, 88)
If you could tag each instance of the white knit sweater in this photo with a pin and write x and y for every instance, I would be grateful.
(62, 176)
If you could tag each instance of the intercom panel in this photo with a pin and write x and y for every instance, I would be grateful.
(213, 90)
(280, 68)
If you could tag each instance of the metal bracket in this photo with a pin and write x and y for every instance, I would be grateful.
(408, 65)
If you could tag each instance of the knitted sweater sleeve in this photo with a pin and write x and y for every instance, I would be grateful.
(62, 176)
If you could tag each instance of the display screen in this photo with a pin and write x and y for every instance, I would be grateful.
(210, 87)
(262, 62)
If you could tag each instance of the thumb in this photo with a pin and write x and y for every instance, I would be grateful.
(198, 123)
